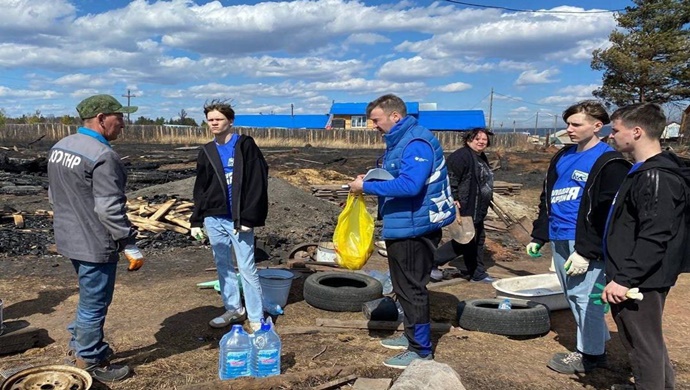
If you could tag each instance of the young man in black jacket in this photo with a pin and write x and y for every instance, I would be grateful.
(580, 185)
(645, 242)
(230, 200)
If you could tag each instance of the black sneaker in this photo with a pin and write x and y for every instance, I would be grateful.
(104, 371)
(575, 362)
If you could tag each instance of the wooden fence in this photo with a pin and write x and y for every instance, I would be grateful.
(22, 134)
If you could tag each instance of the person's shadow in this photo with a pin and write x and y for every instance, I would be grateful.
(45, 303)
(179, 333)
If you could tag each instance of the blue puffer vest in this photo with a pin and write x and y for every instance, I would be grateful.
(433, 207)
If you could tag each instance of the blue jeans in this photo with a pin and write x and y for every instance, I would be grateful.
(592, 333)
(96, 286)
(225, 243)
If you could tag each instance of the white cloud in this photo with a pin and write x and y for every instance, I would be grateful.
(423, 68)
(534, 77)
(454, 87)
(571, 94)
(366, 39)
(24, 93)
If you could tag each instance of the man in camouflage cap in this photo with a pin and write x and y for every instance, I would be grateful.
(87, 192)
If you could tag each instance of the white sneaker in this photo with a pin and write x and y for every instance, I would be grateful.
(255, 326)
(436, 275)
(229, 317)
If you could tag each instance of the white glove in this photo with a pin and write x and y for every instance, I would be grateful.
(576, 265)
(243, 229)
(634, 293)
(198, 233)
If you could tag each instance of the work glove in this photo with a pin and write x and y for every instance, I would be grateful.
(243, 229)
(533, 249)
(633, 293)
(198, 233)
(576, 265)
(135, 257)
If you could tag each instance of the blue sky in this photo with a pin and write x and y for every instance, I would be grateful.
(267, 56)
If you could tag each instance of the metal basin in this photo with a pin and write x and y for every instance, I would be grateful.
(52, 377)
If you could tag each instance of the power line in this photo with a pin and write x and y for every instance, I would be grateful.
(531, 10)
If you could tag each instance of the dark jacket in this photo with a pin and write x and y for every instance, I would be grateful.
(603, 182)
(464, 180)
(647, 235)
(249, 185)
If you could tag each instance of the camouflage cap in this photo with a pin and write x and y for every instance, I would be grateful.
(102, 104)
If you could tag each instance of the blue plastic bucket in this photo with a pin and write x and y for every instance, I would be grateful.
(275, 285)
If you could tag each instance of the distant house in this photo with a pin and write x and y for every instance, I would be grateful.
(352, 116)
(671, 131)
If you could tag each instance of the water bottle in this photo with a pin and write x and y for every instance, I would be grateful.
(273, 309)
(505, 304)
(266, 348)
(235, 354)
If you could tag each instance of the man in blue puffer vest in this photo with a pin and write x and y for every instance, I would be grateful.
(415, 205)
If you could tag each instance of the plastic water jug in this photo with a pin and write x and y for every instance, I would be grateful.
(266, 349)
(505, 305)
(235, 354)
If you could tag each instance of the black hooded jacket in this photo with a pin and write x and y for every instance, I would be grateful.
(603, 182)
(647, 236)
(249, 185)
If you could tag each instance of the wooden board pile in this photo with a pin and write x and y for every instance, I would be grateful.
(332, 192)
(505, 188)
(151, 217)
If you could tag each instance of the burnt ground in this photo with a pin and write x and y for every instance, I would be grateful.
(157, 322)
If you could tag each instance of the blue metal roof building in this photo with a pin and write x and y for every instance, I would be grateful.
(452, 120)
(361, 108)
(433, 120)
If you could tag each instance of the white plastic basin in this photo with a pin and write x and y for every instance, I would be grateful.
(542, 288)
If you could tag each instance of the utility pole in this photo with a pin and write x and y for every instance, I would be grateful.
(292, 109)
(491, 106)
(536, 123)
(128, 96)
(513, 125)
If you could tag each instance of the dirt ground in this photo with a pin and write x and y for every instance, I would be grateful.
(158, 320)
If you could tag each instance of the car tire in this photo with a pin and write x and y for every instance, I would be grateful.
(341, 291)
(525, 318)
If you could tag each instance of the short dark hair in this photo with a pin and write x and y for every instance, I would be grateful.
(648, 116)
(471, 134)
(589, 107)
(222, 106)
(388, 103)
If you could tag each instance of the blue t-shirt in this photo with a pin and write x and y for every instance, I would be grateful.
(572, 170)
(227, 157)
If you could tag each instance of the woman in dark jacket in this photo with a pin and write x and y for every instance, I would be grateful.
(471, 184)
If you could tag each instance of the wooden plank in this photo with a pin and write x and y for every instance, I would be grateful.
(18, 221)
(139, 221)
(162, 210)
(178, 220)
(184, 206)
(336, 383)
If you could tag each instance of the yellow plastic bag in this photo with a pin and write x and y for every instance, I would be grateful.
(354, 235)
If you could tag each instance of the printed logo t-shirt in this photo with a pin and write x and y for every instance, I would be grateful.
(572, 170)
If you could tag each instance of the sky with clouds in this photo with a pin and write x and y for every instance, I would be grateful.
(302, 55)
